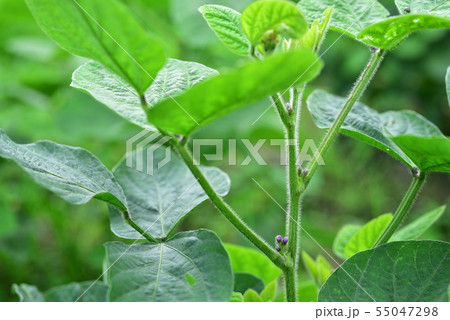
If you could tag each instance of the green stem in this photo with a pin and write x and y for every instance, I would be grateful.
(402, 210)
(225, 209)
(355, 94)
(290, 279)
(135, 226)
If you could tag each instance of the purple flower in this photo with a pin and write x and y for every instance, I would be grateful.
(278, 248)
(284, 241)
(278, 238)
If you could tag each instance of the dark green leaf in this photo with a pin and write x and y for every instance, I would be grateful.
(342, 238)
(405, 271)
(159, 201)
(226, 23)
(389, 33)
(369, 126)
(414, 229)
(105, 31)
(349, 16)
(158, 271)
(244, 281)
(72, 173)
(252, 261)
(232, 90)
(366, 237)
(428, 153)
(174, 78)
(263, 16)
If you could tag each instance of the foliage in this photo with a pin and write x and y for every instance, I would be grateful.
(151, 192)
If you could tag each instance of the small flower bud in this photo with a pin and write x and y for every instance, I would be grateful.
(415, 171)
(305, 172)
(374, 49)
(289, 108)
(284, 241)
(299, 171)
(278, 238)
(278, 248)
(407, 10)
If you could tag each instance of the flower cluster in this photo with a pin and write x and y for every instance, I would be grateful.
(280, 241)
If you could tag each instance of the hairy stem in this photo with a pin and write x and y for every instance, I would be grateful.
(290, 279)
(225, 209)
(135, 226)
(362, 83)
(402, 210)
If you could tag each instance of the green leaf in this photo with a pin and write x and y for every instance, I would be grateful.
(105, 31)
(313, 38)
(252, 261)
(438, 7)
(369, 126)
(88, 291)
(244, 281)
(164, 271)
(428, 153)
(342, 238)
(310, 265)
(252, 296)
(226, 23)
(72, 173)
(157, 202)
(268, 294)
(349, 16)
(365, 237)
(389, 33)
(415, 229)
(263, 16)
(28, 293)
(232, 90)
(405, 271)
(174, 78)
(324, 269)
(236, 297)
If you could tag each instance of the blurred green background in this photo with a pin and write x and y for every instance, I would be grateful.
(46, 242)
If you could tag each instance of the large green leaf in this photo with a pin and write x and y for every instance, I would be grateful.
(174, 78)
(389, 33)
(349, 16)
(366, 237)
(405, 271)
(72, 173)
(428, 153)
(438, 7)
(159, 201)
(88, 291)
(267, 15)
(234, 89)
(414, 229)
(342, 238)
(191, 266)
(226, 23)
(103, 30)
(369, 126)
(252, 261)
